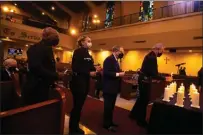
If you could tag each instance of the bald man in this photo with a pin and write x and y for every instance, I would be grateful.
(41, 65)
(149, 71)
(9, 67)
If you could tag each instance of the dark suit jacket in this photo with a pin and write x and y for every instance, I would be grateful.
(111, 83)
(4, 75)
(41, 68)
(200, 77)
(150, 67)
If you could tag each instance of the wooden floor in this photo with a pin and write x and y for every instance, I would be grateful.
(120, 102)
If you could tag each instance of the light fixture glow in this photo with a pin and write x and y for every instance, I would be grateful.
(12, 10)
(43, 13)
(95, 16)
(94, 21)
(15, 4)
(190, 51)
(52, 8)
(73, 31)
(98, 21)
(5, 9)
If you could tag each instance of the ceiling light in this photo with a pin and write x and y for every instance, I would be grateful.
(95, 16)
(15, 4)
(43, 13)
(5, 9)
(190, 51)
(73, 31)
(98, 21)
(52, 8)
(26, 45)
(12, 10)
(94, 21)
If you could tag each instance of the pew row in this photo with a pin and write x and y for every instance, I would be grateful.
(9, 97)
(42, 118)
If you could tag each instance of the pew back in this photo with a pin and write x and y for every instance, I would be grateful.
(8, 96)
(42, 118)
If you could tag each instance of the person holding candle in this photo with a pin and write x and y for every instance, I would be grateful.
(148, 72)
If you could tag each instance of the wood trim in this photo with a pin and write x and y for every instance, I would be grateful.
(26, 108)
(63, 108)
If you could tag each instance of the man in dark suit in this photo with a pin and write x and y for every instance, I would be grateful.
(9, 67)
(148, 72)
(41, 68)
(111, 86)
(200, 79)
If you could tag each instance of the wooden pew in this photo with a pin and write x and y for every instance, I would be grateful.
(69, 98)
(9, 98)
(128, 86)
(42, 118)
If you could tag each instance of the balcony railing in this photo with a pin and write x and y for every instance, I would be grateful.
(29, 21)
(158, 13)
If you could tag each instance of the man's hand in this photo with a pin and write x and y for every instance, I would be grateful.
(121, 74)
(93, 74)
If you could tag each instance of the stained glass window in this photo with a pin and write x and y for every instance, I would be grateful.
(85, 23)
(109, 13)
(146, 10)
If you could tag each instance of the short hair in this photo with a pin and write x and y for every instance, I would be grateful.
(49, 33)
(80, 39)
(116, 48)
(158, 46)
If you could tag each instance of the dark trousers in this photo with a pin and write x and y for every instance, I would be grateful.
(109, 104)
(140, 107)
(79, 88)
(97, 92)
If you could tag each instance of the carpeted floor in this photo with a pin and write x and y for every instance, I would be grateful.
(92, 118)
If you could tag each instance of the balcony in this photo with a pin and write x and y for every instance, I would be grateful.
(33, 22)
(159, 13)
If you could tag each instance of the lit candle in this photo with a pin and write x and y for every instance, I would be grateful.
(191, 90)
(175, 87)
(166, 94)
(195, 100)
(180, 97)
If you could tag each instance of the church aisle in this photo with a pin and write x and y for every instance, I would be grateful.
(91, 117)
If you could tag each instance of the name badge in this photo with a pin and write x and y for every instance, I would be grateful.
(88, 59)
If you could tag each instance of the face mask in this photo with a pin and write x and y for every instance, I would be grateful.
(159, 54)
(120, 56)
(12, 69)
(89, 45)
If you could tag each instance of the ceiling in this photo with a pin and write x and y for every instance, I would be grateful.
(74, 6)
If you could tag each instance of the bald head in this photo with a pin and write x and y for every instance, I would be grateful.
(10, 63)
(158, 49)
(50, 36)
